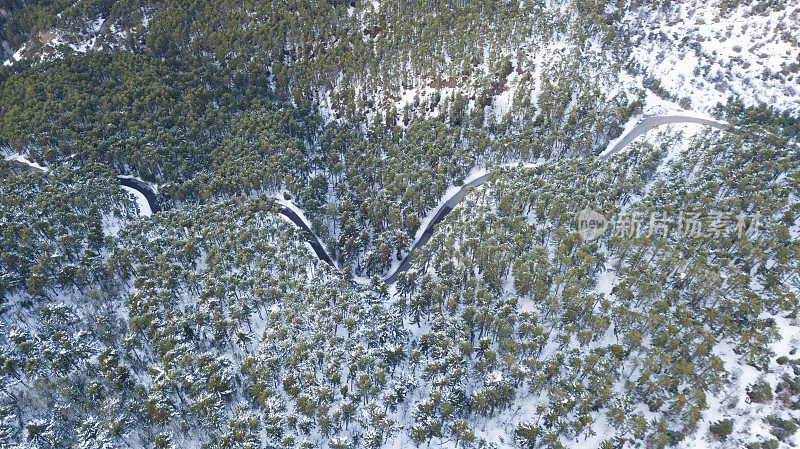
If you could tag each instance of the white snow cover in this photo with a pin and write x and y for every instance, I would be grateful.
(20, 158)
(732, 402)
(141, 201)
(749, 418)
(81, 42)
(699, 50)
(15, 57)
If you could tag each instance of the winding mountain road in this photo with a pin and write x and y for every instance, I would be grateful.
(127, 181)
(444, 209)
(645, 124)
(649, 122)
(142, 188)
(310, 237)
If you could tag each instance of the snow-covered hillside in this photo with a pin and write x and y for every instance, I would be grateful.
(709, 51)
(459, 224)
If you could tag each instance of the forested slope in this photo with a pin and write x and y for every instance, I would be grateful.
(390, 104)
(213, 324)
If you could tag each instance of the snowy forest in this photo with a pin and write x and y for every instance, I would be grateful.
(355, 224)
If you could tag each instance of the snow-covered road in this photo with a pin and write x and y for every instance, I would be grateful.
(647, 123)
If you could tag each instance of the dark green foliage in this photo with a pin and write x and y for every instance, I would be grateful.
(212, 325)
(783, 429)
(760, 393)
(768, 444)
(721, 429)
(186, 102)
(52, 231)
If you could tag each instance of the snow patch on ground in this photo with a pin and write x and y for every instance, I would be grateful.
(20, 158)
(56, 41)
(732, 402)
(629, 127)
(141, 201)
(701, 51)
(15, 57)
